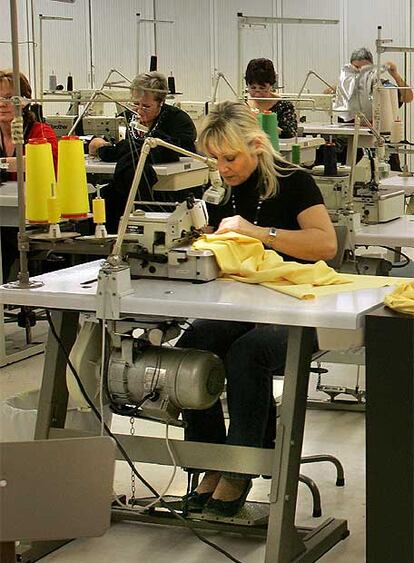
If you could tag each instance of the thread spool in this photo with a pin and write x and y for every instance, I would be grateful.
(330, 165)
(388, 99)
(40, 176)
(153, 63)
(98, 210)
(397, 131)
(171, 85)
(72, 188)
(52, 81)
(268, 122)
(295, 153)
(69, 83)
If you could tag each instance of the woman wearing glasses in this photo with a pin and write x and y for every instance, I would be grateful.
(260, 79)
(149, 91)
(169, 123)
(33, 126)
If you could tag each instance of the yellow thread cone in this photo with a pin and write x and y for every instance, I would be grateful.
(98, 208)
(72, 188)
(40, 177)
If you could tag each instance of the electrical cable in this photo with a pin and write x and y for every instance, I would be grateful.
(402, 254)
(170, 482)
(125, 454)
(101, 377)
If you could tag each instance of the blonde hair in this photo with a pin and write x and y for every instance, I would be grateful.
(232, 126)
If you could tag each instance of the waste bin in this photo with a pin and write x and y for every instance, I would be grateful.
(18, 417)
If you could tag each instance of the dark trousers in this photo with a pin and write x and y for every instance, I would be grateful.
(253, 355)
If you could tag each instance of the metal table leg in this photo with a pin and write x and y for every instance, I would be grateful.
(390, 436)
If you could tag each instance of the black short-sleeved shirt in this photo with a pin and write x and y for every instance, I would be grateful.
(296, 192)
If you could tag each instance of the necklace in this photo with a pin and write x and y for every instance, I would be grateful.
(257, 212)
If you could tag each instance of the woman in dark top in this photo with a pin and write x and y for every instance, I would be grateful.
(163, 121)
(279, 204)
(260, 79)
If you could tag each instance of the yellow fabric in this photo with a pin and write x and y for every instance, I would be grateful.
(245, 259)
(402, 298)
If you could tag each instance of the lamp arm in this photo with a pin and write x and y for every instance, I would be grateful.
(216, 84)
(380, 140)
(313, 73)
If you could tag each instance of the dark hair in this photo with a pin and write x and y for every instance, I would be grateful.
(260, 71)
(29, 117)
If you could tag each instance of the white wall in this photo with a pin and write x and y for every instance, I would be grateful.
(204, 37)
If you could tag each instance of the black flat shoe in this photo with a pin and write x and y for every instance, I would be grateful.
(228, 507)
(195, 502)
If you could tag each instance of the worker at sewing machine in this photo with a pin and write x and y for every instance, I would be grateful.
(355, 88)
(279, 204)
(260, 79)
(159, 119)
(33, 128)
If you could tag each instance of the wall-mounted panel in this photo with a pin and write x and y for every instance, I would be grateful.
(65, 44)
(257, 41)
(5, 36)
(119, 41)
(311, 47)
(184, 47)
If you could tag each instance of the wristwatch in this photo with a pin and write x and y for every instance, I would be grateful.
(271, 235)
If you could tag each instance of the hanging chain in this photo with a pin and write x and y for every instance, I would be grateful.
(132, 433)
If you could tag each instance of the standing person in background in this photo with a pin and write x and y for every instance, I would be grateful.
(33, 128)
(355, 89)
(260, 79)
(363, 56)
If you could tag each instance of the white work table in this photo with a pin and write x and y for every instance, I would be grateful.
(396, 233)
(396, 183)
(308, 147)
(219, 299)
(73, 290)
(96, 166)
(9, 215)
(365, 137)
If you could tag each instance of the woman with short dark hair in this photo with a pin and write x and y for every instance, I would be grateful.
(260, 80)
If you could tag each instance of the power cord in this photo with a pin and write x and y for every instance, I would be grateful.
(394, 264)
(125, 454)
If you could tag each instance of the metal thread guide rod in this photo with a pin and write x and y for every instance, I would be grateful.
(23, 281)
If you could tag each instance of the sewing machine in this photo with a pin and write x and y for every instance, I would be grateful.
(375, 205)
(158, 244)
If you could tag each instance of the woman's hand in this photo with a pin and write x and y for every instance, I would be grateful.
(238, 225)
(96, 144)
(12, 163)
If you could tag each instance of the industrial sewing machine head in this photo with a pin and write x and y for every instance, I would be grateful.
(159, 243)
(375, 203)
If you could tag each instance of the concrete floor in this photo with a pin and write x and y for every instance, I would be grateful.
(335, 432)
